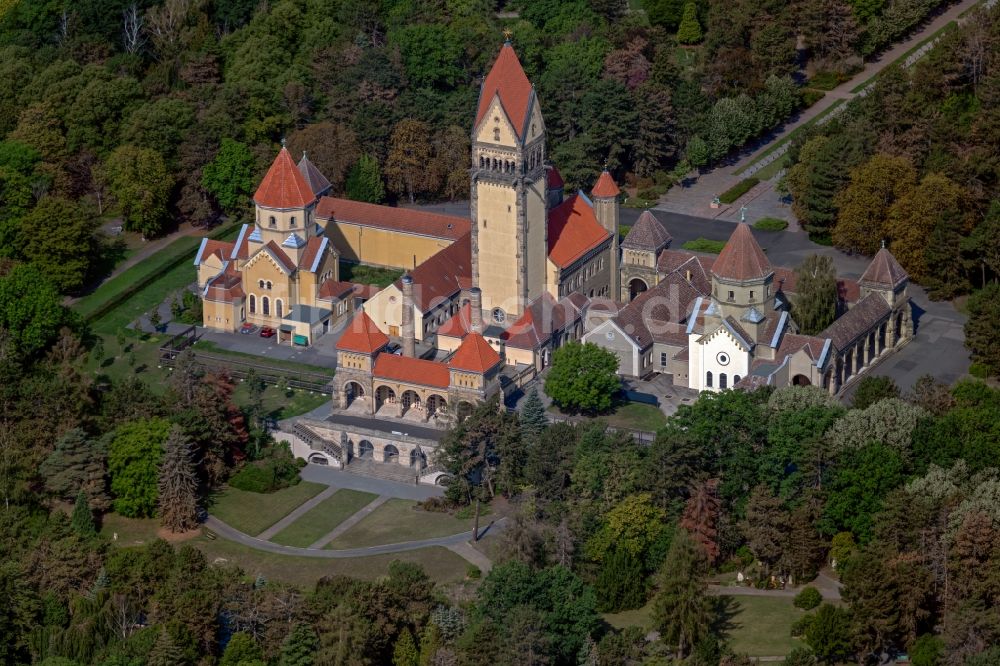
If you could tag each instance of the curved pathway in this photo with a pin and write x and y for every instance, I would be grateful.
(232, 534)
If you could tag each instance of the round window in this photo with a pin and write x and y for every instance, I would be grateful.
(722, 358)
(610, 335)
(499, 316)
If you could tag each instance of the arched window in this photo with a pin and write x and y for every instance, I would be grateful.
(291, 221)
(277, 307)
(268, 284)
(266, 306)
(736, 380)
(708, 380)
(496, 133)
(722, 380)
(271, 221)
(260, 283)
(253, 304)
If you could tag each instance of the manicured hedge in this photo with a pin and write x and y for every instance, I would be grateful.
(704, 245)
(738, 190)
(770, 224)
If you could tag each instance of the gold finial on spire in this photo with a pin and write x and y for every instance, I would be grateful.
(507, 34)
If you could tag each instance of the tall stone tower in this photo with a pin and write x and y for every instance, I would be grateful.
(605, 194)
(508, 192)
(285, 208)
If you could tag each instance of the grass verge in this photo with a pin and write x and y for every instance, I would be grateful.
(629, 415)
(770, 224)
(397, 521)
(280, 405)
(704, 245)
(252, 513)
(323, 517)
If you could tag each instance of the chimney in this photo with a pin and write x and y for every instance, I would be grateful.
(476, 307)
(409, 339)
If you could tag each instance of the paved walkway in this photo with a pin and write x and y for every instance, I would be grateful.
(828, 586)
(350, 522)
(338, 478)
(471, 555)
(694, 196)
(232, 534)
(267, 534)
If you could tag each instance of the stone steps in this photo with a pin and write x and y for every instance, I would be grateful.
(384, 471)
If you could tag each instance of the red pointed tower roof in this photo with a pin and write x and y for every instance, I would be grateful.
(605, 187)
(884, 271)
(284, 186)
(508, 81)
(742, 258)
(474, 355)
(362, 335)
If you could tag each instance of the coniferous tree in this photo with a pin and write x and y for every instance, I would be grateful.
(621, 582)
(77, 463)
(299, 647)
(178, 485)
(533, 419)
(82, 521)
(981, 327)
(816, 299)
(689, 31)
(364, 181)
(680, 609)
(404, 652)
(165, 651)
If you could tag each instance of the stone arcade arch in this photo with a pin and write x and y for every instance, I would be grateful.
(465, 409)
(436, 405)
(352, 391)
(384, 395)
(390, 454)
(366, 449)
(635, 287)
(800, 380)
(410, 400)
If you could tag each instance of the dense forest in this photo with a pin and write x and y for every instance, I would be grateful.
(169, 111)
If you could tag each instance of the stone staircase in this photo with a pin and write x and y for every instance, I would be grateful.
(317, 443)
(385, 471)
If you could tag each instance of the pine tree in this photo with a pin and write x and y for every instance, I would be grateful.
(364, 182)
(241, 650)
(77, 463)
(816, 299)
(299, 647)
(621, 583)
(82, 521)
(689, 31)
(165, 651)
(680, 609)
(178, 486)
(404, 653)
(533, 419)
(701, 513)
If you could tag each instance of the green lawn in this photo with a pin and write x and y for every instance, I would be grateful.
(704, 245)
(323, 517)
(631, 415)
(770, 224)
(396, 521)
(252, 513)
(755, 626)
(363, 274)
(278, 405)
(130, 531)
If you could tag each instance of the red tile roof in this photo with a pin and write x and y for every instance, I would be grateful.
(508, 81)
(333, 290)
(362, 335)
(459, 324)
(474, 355)
(742, 258)
(442, 275)
(573, 231)
(280, 255)
(554, 179)
(884, 271)
(543, 317)
(284, 186)
(221, 249)
(226, 287)
(605, 187)
(313, 247)
(405, 220)
(412, 370)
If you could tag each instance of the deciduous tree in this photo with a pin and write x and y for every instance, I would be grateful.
(981, 327)
(141, 184)
(230, 176)
(865, 204)
(583, 377)
(133, 462)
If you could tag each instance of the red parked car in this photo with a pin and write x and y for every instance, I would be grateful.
(266, 332)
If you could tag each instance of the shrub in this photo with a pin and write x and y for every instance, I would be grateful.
(770, 224)
(810, 97)
(472, 572)
(649, 194)
(826, 80)
(275, 470)
(801, 625)
(979, 370)
(704, 245)
(738, 190)
(808, 598)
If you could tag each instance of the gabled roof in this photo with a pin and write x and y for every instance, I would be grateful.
(605, 187)
(554, 179)
(209, 247)
(884, 271)
(442, 275)
(573, 231)
(241, 250)
(742, 258)
(543, 317)
(278, 255)
(313, 254)
(362, 335)
(507, 81)
(474, 355)
(405, 220)
(226, 287)
(284, 186)
(412, 370)
(318, 183)
(857, 321)
(647, 234)
(656, 314)
(331, 290)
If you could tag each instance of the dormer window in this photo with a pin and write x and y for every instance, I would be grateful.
(271, 222)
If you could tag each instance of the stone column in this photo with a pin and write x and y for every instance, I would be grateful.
(907, 321)
(867, 353)
(859, 359)
(407, 328)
